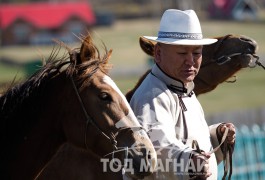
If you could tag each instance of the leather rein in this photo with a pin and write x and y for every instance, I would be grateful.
(227, 150)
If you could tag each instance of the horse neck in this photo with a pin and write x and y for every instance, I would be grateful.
(38, 133)
(130, 93)
(212, 74)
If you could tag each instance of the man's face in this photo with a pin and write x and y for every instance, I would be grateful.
(179, 62)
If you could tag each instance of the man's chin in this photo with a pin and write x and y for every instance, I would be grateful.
(187, 80)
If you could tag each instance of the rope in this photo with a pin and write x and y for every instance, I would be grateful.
(227, 154)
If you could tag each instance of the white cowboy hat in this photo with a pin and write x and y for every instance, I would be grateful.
(180, 28)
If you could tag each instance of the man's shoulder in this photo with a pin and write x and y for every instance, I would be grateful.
(150, 88)
(151, 85)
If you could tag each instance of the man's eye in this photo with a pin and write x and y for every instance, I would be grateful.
(197, 54)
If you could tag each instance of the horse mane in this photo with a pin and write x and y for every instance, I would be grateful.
(15, 96)
(21, 96)
(130, 93)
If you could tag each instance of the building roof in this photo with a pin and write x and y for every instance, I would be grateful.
(45, 15)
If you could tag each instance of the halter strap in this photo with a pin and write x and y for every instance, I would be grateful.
(89, 119)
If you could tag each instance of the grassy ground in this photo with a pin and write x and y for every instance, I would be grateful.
(246, 93)
(123, 39)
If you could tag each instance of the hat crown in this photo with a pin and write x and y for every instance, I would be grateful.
(174, 20)
(180, 28)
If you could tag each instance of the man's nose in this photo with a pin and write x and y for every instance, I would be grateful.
(190, 59)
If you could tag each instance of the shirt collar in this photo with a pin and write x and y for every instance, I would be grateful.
(174, 85)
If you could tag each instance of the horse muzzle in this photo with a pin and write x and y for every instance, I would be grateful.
(139, 155)
(144, 160)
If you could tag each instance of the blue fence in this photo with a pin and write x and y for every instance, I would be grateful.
(249, 154)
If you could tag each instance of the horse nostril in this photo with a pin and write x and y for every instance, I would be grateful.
(253, 44)
(245, 39)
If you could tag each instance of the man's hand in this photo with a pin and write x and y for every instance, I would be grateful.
(201, 163)
(231, 136)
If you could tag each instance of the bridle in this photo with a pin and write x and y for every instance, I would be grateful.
(112, 137)
(225, 58)
(257, 62)
(89, 120)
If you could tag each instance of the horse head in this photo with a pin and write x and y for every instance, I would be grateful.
(223, 59)
(111, 128)
(240, 49)
(72, 102)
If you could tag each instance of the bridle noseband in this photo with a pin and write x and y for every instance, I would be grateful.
(224, 58)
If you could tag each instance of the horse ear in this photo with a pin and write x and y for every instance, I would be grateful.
(147, 46)
(107, 56)
(88, 50)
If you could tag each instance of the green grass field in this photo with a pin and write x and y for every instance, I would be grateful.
(123, 37)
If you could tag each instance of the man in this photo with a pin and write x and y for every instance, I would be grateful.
(167, 107)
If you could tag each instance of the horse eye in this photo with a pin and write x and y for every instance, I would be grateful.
(104, 96)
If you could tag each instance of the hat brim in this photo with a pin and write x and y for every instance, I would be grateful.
(205, 41)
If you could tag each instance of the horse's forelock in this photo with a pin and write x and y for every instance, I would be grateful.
(90, 61)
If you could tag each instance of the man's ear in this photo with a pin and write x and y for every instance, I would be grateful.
(157, 53)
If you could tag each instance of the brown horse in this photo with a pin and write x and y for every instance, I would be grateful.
(69, 102)
(221, 61)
